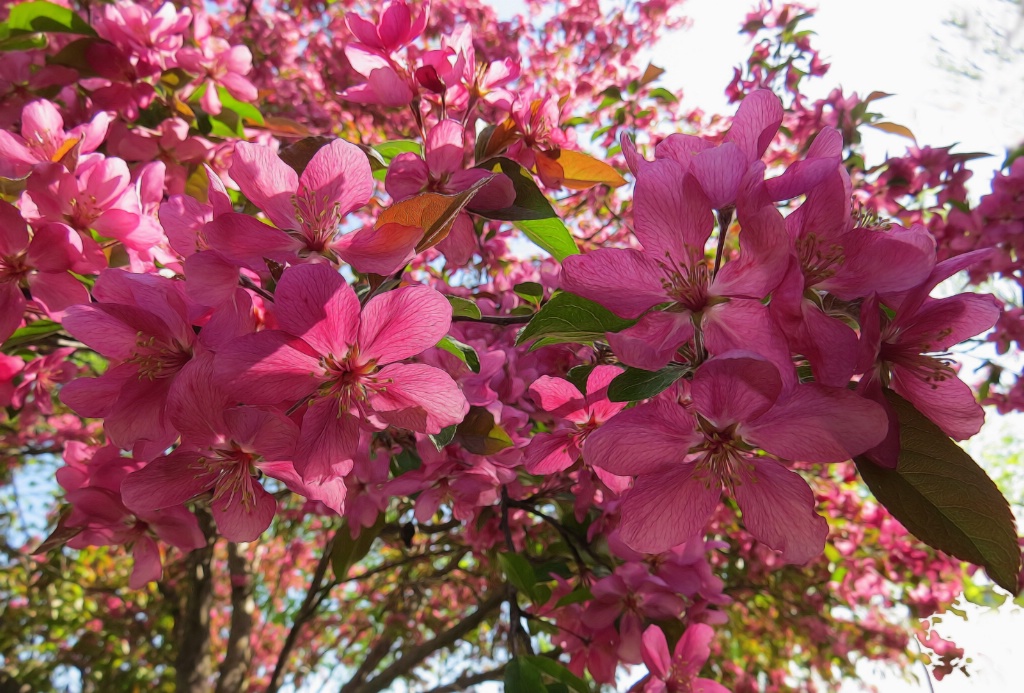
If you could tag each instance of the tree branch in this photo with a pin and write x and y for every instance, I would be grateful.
(306, 611)
(467, 680)
(234, 671)
(415, 655)
(193, 665)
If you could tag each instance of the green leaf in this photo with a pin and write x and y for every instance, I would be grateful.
(635, 384)
(463, 308)
(405, 461)
(348, 551)
(663, 94)
(578, 376)
(33, 332)
(944, 498)
(244, 110)
(531, 212)
(48, 18)
(577, 596)
(443, 438)
(557, 671)
(529, 291)
(464, 352)
(519, 572)
(522, 677)
(20, 41)
(479, 434)
(571, 318)
(389, 150)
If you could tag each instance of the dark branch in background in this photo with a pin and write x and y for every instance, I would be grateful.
(314, 597)
(496, 319)
(467, 680)
(516, 634)
(234, 671)
(193, 665)
(414, 656)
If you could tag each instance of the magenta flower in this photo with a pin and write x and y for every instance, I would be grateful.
(395, 27)
(344, 362)
(903, 352)
(140, 322)
(92, 480)
(441, 170)
(577, 416)
(223, 450)
(44, 140)
(309, 210)
(40, 265)
(683, 453)
(679, 671)
(673, 220)
(220, 64)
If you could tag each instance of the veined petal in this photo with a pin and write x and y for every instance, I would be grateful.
(245, 519)
(672, 215)
(402, 323)
(778, 509)
(267, 181)
(816, 423)
(327, 441)
(719, 171)
(268, 367)
(948, 401)
(733, 388)
(624, 280)
(315, 302)
(445, 148)
(338, 174)
(417, 397)
(757, 120)
(557, 395)
(166, 482)
(548, 453)
(642, 440)
(668, 508)
(653, 341)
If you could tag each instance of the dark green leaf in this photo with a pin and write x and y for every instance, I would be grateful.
(48, 18)
(944, 498)
(530, 291)
(479, 434)
(557, 671)
(519, 572)
(463, 307)
(405, 461)
(33, 332)
(443, 438)
(578, 376)
(635, 384)
(348, 551)
(463, 352)
(531, 212)
(570, 318)
(522, 677)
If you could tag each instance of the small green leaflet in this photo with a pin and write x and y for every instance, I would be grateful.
(463, 308)
(464, 352)
(570, 318)
(635, 384)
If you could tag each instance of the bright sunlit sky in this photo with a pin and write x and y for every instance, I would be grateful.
(899, 47)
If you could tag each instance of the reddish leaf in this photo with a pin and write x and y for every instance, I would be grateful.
(575, 170)
(434, 213)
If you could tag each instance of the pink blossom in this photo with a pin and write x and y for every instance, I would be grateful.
(310, 210)
(679, 671)
(153, 37)
(344, 362)
(220, 64)
(395, 27)
(43, 138)
(684, 452)
(40, 266)
(577, 416)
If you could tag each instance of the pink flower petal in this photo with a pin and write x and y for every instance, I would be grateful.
(268, 367)
(655, 652)
(244, 521)
(671, 214)
(949, 402)
(548, 453)
(402, 323)
(379, 251)
(166, 482)
(734, 388)
(418, 397)
(642, 440)
(327, 441)
(757, 120)
(778, 509)
(315, 302)
(625, 281)
(719, 171)
(668, 508)
(338, 174)
(268, 182)
(653, 342)
(445, 148)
